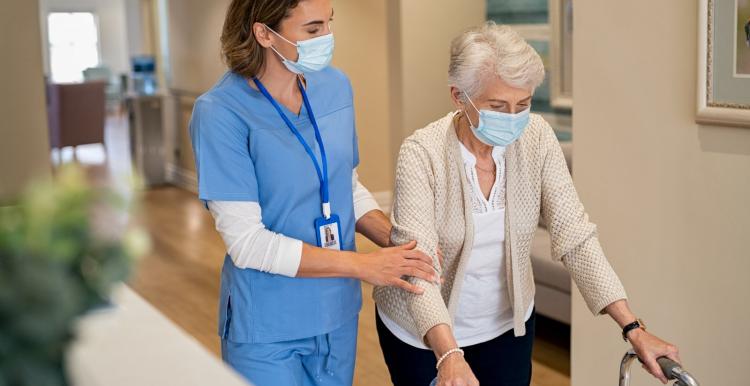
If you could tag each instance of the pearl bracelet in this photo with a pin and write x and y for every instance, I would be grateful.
(447, 353)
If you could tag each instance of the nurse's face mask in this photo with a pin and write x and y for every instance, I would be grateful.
(313, 54)
(496, 128)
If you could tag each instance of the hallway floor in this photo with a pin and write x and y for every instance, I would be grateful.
(180, 276)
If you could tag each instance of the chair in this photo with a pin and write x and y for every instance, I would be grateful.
(76, 113)
(115, 90)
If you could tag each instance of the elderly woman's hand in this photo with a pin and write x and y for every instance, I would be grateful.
(648, 347)
(454, 371)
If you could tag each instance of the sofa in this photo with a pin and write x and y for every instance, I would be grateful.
(553, 282)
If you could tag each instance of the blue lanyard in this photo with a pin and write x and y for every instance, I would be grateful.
(322, 175)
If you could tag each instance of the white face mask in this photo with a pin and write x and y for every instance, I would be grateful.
(314, 54)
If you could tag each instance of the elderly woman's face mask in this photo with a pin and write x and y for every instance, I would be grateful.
(498, 129)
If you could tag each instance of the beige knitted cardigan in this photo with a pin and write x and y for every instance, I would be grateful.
(433, 206)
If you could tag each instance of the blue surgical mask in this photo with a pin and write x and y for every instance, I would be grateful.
(314, 54)
(496, 128)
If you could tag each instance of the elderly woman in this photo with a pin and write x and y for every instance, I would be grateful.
(475, 184)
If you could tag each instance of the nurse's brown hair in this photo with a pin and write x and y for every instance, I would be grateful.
(239, 49)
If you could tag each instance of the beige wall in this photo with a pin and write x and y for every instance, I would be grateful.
(420, 36)
(362, 50)
(139, 15)
(24, 148)
(670, 196)
(194, 50)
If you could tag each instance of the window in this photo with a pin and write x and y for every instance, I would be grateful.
(73, 44)
(531, 19)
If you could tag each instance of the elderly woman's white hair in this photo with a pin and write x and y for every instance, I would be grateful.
(493, 50)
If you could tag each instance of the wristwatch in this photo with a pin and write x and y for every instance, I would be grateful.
(632, 326)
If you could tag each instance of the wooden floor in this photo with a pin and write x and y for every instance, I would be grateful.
(180, 277)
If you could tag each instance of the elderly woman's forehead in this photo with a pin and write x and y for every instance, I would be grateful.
(496, 88)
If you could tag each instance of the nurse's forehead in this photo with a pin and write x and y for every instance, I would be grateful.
(311, 12)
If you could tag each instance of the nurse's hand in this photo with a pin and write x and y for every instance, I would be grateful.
(388, 266)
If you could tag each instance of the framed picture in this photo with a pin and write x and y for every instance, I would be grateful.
(724, 62)
(561, 53)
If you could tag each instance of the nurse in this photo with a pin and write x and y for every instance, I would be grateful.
(276, 154)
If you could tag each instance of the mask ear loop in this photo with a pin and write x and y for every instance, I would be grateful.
(472, 105)
(283, 58)
(279, 35)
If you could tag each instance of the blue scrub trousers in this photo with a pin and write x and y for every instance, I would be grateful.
(326, 359)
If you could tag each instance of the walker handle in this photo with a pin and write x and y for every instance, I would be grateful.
(673, 370)
(668, 366)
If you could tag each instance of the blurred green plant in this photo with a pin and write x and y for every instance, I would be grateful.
(62, 248)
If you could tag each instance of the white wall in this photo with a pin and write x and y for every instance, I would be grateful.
(671, 197)
(113, 33)
(24, 148)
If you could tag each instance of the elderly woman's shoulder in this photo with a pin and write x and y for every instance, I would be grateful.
(537, 122)
(539, 128)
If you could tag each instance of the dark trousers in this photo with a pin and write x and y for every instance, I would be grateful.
(503, 361)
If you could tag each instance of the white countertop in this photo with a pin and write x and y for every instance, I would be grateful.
(132, 343)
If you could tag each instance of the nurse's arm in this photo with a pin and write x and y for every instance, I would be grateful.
(371, 221)
(384, 267)
(251, 245)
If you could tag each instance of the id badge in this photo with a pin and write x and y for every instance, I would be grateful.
(328, 232)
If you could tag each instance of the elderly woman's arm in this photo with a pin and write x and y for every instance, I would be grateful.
(414, 219)
(574, 237)
(575, 242)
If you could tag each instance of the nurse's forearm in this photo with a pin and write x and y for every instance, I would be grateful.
(383, 267)
(320, 262)
(375, 226)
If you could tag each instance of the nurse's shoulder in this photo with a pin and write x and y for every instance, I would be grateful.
(222, 95)
(335, 80)
(215, 115)
(218, 105)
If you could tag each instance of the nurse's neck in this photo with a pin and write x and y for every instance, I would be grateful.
(280, 83)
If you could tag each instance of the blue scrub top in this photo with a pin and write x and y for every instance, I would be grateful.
(245, 152)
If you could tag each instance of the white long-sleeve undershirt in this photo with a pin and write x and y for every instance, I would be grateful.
(251, 245)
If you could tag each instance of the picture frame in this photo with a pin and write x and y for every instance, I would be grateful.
(723, 93)
(561, 53)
